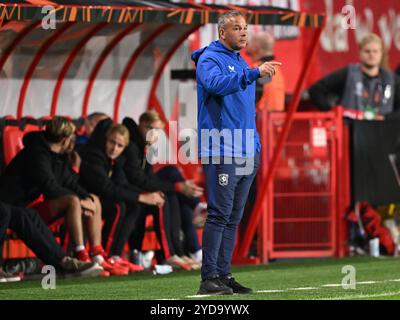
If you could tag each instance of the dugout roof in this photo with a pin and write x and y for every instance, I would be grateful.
(126, 11)
(49, 58)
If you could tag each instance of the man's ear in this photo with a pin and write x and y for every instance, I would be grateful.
(222, 34)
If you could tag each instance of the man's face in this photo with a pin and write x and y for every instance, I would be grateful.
(371, 54)
(155, 126)
(235, 33)
(115, 145)
(91, 125)
(67, 145)
(70, 144)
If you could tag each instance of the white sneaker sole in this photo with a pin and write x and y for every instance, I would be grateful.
(13, 279)
(91, 272)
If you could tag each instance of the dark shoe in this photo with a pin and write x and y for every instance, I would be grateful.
(214, 287)
(8, 277)
(235, 286)
(72, 267)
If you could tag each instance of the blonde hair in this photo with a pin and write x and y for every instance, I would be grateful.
(59, 128)
(150, 117)
(372, 37)
(120, 129)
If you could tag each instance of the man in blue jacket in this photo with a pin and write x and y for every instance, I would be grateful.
(229, 145)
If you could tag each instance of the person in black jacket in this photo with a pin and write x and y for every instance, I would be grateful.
(42, 168)
(102, 174)
(182, 195)
(30, 228)
(367, 89)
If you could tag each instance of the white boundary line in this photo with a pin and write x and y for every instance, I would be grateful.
(361, 296)
(329, 285)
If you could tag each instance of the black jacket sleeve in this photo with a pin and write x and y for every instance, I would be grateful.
(95, 177)
(41, 174)
(136, 175)
(71, 181)
(396, 103)
(328, 91)
(396, 93)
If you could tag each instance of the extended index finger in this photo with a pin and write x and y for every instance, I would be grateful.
(275, 63)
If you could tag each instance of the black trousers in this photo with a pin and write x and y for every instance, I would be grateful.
(186, 206)
(30, 228)
(120, 219)
(171, 221)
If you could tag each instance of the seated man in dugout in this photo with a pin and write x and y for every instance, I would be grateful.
(42, 168)
(31, 229)
(90, 123)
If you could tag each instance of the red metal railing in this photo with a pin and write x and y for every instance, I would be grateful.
(261, 196)
(302, 198)
(303, 212)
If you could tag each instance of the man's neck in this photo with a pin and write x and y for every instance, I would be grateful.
(226, 45)
(264, 54)
(372, 72)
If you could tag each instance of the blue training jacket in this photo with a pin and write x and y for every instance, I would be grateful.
(226, 102)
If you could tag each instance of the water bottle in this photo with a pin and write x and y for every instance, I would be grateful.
(374, 247)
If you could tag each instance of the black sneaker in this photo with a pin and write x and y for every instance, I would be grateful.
(235, 286)
(214, 287)
(72, 267)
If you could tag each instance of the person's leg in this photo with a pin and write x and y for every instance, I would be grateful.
(118, 236)
(174, 224)
(5, 216)
(221, 184)
(29, 226)
(108, 214)
(191, 239)
(229, 237)
(192, 202)
(114, 215)
(137, 235)
(93, 224)
(163, 227)
(126, 229)
(172, 174)
(188, 228)
(68, 207)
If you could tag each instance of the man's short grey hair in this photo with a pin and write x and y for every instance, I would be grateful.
(91, 117)
(224, 18)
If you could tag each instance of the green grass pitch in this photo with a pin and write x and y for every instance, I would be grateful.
(376, 278)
